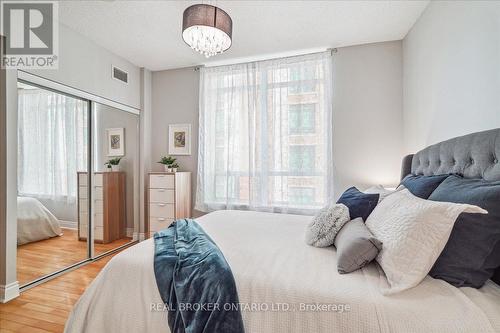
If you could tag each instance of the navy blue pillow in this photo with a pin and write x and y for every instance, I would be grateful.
(496, 276)
(472, 253)
(422, 186)
(360, 204)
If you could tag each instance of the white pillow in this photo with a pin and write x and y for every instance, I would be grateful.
(413, 231)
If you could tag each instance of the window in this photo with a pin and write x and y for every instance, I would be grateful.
(302, 80)
(52, 143)
(301, 195)
(301, 118)
(302, 158)
(265, 135)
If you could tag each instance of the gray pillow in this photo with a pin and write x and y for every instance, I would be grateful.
(326, 224)
(356, 246)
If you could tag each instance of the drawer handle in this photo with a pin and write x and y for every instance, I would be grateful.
(161, 219)
(161, 190)
(161, 205)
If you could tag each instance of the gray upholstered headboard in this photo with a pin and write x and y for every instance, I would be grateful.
(474, 155)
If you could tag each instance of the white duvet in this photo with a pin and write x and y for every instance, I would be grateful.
(34, 221)
(297, 284)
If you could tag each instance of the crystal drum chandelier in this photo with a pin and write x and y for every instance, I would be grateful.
(207, 29)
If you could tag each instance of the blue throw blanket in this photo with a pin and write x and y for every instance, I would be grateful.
(195, 281)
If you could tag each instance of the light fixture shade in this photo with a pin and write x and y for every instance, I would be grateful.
(207, 29)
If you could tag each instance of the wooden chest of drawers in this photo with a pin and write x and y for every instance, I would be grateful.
(109, 206)
(169, 198)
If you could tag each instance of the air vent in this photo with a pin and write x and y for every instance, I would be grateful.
(120, 75)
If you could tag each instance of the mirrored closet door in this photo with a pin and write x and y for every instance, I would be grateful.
(53, 148)
(78, 180)
(115, 175)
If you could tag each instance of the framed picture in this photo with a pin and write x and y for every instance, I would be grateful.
(179, 139)
(116, 141)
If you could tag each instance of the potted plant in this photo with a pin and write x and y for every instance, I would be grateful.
(174, 167)
(168, 162)
(113, 164)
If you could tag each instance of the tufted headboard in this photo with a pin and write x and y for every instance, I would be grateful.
(474, 155)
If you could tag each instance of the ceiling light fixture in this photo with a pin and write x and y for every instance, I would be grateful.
(207, 29)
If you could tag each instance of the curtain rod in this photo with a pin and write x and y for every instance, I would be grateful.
(332, 52)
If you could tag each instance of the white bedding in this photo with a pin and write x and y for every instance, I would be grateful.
(271, 265)
(34, 221)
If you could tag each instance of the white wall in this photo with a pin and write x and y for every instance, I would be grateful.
(368, 141)
(86, 66)
(367, 95)
(451, 60)
(175, 101)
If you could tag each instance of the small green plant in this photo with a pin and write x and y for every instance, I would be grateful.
(169, 161)
(174, 166)
(113, 161)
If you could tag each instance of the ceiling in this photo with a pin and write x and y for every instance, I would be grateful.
(148, 33)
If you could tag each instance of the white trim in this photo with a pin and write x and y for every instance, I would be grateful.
(130, 232)
(68, 224)
(9, 292)
(73, 91)
(142, 236)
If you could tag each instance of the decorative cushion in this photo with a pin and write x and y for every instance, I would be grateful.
(414, 231)
(326, 224)
(360, 204)
(496, 277)
(470, 258)
(496, 274)
(356, 246)
(422, 186)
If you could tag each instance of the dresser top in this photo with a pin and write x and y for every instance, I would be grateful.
(168, 173)
(100, 172)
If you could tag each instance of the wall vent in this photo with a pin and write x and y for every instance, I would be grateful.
(119, 74)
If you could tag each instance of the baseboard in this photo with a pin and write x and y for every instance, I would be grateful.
(130, 232)
(68, 224)
(9, 292)
(142, 236)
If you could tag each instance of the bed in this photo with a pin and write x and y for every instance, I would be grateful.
(34, 221)
(291, 287)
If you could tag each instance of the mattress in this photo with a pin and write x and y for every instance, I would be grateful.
(34, 221)
(284, 285)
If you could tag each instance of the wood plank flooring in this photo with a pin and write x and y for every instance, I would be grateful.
(46, 307)
(37, 259)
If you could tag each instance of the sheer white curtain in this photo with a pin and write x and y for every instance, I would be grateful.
(265, 136)
(52, 144)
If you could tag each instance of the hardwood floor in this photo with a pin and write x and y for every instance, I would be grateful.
(46, 307)
(40, 258)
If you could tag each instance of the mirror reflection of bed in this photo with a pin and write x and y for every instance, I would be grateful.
(53, 194)
(46, 244)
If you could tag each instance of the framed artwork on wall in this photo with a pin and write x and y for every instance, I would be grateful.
(179, 139)
(116, 141)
